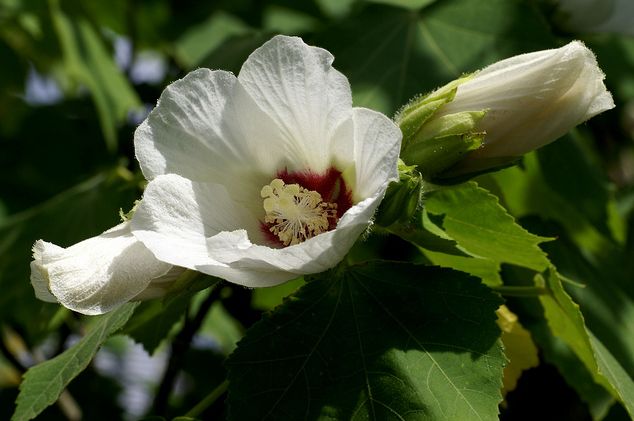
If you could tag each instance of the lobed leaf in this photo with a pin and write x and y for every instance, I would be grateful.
(464, 227)
(375, 342)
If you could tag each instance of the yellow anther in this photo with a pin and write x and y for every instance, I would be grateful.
(294, 213)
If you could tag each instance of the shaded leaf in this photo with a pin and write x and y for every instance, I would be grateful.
(376, 342)
(391, 54)
(153, 320)
(89, 63)
(526, 191)
(555, 351)
(566, 322)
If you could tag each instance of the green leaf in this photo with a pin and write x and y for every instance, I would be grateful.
(487, 270)
(608, 311)
(43, 383)
(89, 63)
(566, 322)
(288, 21)
(201, 40)
(392, 54)
(528, 191)
(222, 328)
(153, 320)
(269, 298)
(376, 342)
(474, 218)
(557, 352)
(406, 4)
(614, 372)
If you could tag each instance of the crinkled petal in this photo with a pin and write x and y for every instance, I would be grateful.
(179, 234)
(177, 215)
(297, 87)
(97, 274)
(38, 274)
(377, 144)
(260, 266)
(196, 225)
(207, 128)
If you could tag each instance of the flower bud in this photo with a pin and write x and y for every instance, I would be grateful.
(504, 111)
(402, 197)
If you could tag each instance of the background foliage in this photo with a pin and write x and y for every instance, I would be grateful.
(77, 77)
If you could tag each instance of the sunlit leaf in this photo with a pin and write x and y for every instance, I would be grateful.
(475, 220)
(269, 298)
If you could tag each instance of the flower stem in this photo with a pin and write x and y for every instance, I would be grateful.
(180, 346)
(511, 291)
(208, 400)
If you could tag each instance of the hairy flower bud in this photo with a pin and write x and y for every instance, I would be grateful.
(506, 110)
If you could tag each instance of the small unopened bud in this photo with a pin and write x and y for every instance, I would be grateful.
(402, 197)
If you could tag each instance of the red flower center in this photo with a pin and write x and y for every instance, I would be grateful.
(302, 204)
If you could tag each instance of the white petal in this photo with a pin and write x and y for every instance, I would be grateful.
(39, 276)
(377, 144)
(97, 274)
(205, 127)
(307, 98)
(261, 266)
(177, 215)
(196, 225)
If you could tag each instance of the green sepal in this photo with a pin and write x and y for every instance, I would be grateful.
(415, 114)
(435, 155)
(448, 125)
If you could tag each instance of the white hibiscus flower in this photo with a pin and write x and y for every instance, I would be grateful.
(263, 177)
(256, 179)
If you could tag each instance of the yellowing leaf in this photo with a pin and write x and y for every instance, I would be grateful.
(519, 348)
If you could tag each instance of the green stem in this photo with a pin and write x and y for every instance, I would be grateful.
(208, 400)
(511, 291)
